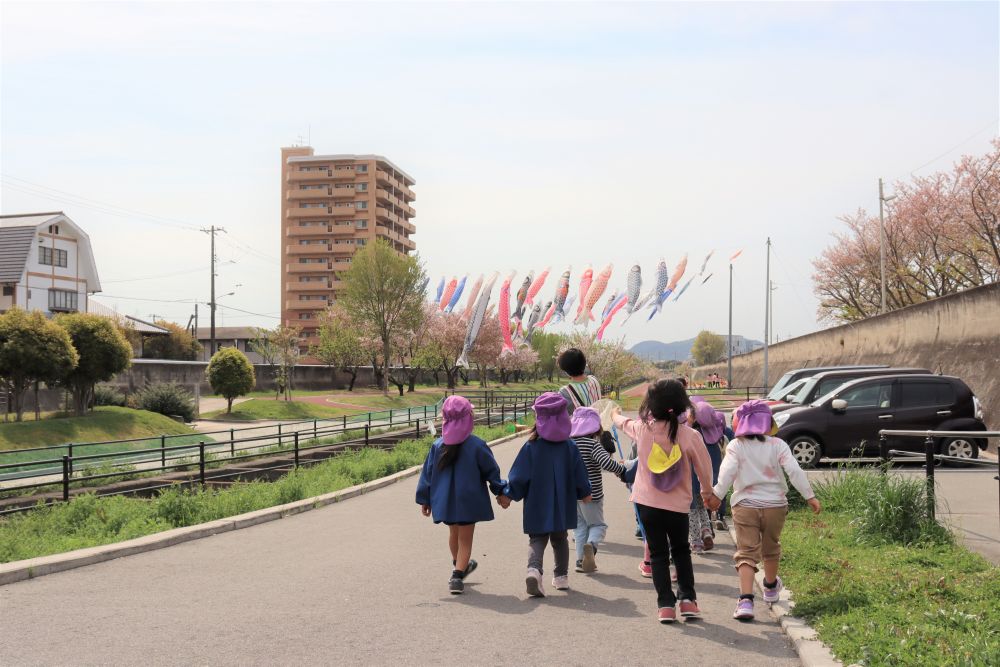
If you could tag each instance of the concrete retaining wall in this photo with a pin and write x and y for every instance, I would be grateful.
(955, 335)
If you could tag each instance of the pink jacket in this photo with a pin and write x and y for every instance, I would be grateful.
(678, 499)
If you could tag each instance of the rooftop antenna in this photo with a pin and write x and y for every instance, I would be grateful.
(310, 135)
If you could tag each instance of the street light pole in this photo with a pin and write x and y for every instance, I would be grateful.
(729, 342)
(881, 241)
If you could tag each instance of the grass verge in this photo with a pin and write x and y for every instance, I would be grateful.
(88, 521)
(882, 585)
(270, 409)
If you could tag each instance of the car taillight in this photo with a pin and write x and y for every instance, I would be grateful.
(978, 408)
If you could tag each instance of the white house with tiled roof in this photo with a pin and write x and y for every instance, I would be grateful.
(46, 263)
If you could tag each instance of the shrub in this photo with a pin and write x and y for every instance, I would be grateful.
(169, 400)
(231, 374)
(105, 395)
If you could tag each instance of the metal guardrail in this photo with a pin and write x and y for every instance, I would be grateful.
(930, 455)
(180, 458)
(392, 415)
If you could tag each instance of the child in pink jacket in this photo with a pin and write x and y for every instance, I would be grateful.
(662, 490)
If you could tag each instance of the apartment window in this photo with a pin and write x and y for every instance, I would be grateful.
(312, 205)
(62, 300)
(312, 187)
(312, 297)
(311, 260)
(361, 224)
(361, 204)
(52, 256)
(361, 241)
(8, 290)
(361, 187)
(305, 316)
(361, 168)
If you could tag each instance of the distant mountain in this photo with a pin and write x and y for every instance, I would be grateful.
(680, 350)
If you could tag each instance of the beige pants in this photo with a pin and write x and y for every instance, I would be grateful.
(758, 534)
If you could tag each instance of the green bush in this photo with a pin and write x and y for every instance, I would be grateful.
(105, 395)
(168, 399)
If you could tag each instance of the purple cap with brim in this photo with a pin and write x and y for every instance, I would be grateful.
(753, 418)
(585, 421)
(551, 418)
(710, 421)
(457, 414)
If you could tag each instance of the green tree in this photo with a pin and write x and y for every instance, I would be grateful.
(178, 345)
(342, 343)
(546, 345)
(104, 352)
(708, 348)
(231, 374)
(383, 292)
(32, 349)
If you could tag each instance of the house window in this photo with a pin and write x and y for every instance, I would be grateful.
(8, 290)
(52, 256)
(62, 300)
(54, 229)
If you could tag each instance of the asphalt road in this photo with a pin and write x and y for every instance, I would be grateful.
(365, 582)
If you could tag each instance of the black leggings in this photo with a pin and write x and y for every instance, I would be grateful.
(667, 535)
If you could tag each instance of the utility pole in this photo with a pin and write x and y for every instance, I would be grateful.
(211, 232)
(771, 309)
(729, 342)
(767, 308)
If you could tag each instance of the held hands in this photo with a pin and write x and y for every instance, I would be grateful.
(503, 501)
(425, 510)
(587, 499)
(814, 505)
(712, 502)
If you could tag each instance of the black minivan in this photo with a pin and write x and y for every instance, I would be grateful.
(821, 384)
(848, 420)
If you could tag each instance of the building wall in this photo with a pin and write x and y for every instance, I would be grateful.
(955, 335)
(32, 293)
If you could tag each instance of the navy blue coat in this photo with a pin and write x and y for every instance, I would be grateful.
(550, 477)
(457, 494)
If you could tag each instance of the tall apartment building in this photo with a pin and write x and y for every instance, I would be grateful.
(330, 206)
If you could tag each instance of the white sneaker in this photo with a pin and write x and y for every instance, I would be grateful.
(533, 582)
(560, 583)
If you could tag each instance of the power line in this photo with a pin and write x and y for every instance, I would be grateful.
(163, 275)
(972, 136)
(240, 310)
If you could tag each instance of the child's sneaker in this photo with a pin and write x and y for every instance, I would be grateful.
(771, 594)
(589, 564)
(708, 542)
(560, 583)
(579, 566)
(720, 523)
(645, 569)
(666, 615)
(697, 548)
(533, 582)
(744, 610)
(689, 609)
(470, 568)
(456, 586)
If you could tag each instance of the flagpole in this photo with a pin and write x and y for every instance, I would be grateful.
(729, 347)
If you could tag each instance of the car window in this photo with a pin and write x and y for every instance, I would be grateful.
(875, 395)
(926, 394)
(829, 384)
(779, 389)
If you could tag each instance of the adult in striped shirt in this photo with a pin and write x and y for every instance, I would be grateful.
(582, 390)
(590, 525)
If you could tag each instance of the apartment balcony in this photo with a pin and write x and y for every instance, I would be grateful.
(407, 225)
(344, 210)
(311, 286)
(317, 267)
(295, 304)
(320, 175)
(300, 230)
(342, 193)
(298, 195)
(310, 212)
(310, 249)
(343, 229)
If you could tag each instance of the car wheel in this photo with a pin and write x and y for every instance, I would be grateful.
(806, 450)
(961, 447)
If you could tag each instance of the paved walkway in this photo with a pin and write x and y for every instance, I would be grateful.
(365, 582)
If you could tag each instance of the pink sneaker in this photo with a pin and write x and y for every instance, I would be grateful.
(666, 615)
(689, 609)
(645, 569)
(533, 582)
(560, 583)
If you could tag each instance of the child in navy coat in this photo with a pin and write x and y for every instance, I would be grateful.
(453, 483)
(550, 476)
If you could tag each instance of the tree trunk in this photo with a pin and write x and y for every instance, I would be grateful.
(17, 393)
(464, 376)
(386, 361)
(38, 409)
(353, 372)
(229, 407)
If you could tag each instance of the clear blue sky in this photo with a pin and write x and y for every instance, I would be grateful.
(539, 134)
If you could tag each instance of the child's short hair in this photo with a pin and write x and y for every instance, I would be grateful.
(573, 362)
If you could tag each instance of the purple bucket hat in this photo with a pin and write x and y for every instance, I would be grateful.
(753, 418)
(457, 414)
(710, 421)
(551, 418)
(585, 421)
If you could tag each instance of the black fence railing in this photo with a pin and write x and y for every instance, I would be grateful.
(191, 464)
(931, 456)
